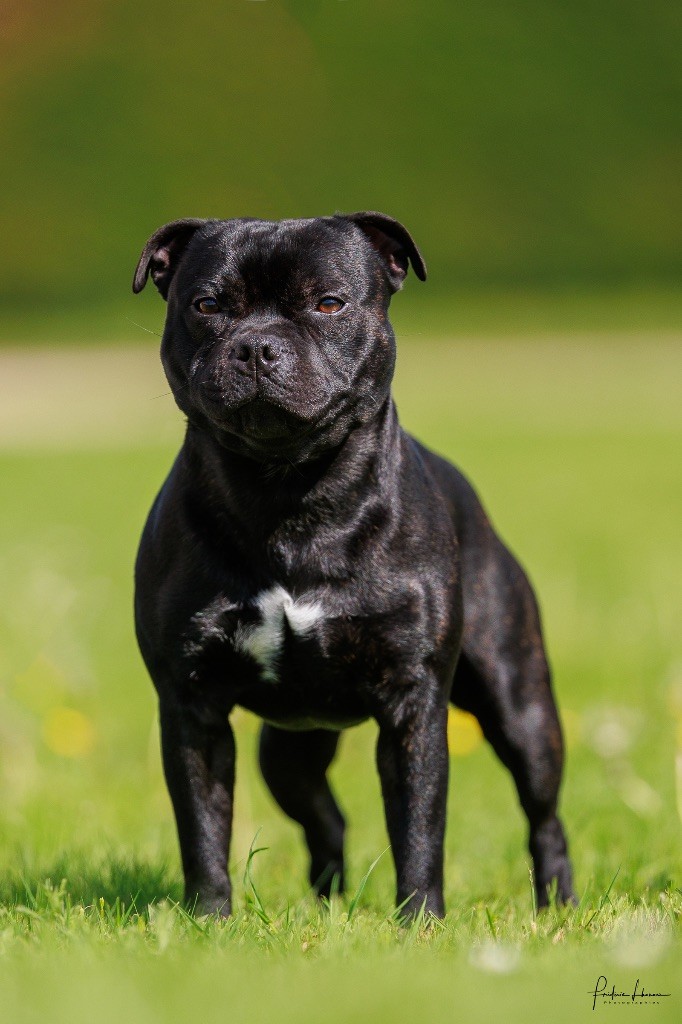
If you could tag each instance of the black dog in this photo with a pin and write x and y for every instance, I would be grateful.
(310, 561)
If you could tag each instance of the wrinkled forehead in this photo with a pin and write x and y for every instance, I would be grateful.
(277, 256)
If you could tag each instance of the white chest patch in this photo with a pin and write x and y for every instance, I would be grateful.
(263, 641)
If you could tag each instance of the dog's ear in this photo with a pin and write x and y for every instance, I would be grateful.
(394, 244)
(161, 254)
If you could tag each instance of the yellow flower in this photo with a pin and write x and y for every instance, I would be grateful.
(68, 732)
(464, 732)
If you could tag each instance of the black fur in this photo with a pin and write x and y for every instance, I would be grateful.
(310, 561)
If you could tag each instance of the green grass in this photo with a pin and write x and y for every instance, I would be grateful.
(574, 445)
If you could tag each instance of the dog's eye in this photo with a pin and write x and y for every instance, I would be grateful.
(329, 305)
(207, 305)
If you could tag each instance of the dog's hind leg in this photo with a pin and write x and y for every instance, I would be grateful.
(294, 765)
(503, 679)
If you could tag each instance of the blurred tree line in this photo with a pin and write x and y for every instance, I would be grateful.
(525, 144)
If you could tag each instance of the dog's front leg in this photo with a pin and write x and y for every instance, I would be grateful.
(198, 761)
(412, 757)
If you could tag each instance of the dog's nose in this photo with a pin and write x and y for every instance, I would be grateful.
(257, 353)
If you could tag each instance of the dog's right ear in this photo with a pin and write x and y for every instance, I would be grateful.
(161, 254)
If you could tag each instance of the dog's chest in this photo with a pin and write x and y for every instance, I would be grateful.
(262, 634)
(307, 660)
(281, 622)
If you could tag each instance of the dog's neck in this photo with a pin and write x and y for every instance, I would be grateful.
(266, 509)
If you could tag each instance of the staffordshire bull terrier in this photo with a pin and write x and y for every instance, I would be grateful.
(309, 560)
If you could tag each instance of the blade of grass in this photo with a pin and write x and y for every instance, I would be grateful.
(602, 899)
(352, 906)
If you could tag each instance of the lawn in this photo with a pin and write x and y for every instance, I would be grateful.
(575, 445)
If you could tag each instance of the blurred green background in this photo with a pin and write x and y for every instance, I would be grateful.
(533, 151)
(531, 147)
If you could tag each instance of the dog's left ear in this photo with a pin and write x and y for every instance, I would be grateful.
(161, 254)
(394, 244)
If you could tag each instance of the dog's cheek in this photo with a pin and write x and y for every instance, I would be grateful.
(178, 349)
(380, 349)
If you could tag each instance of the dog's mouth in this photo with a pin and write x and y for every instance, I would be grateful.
(260, 419)
(261, 423)
(269, 418)
(261, 409)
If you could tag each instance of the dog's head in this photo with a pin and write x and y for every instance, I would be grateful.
(277, 339)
